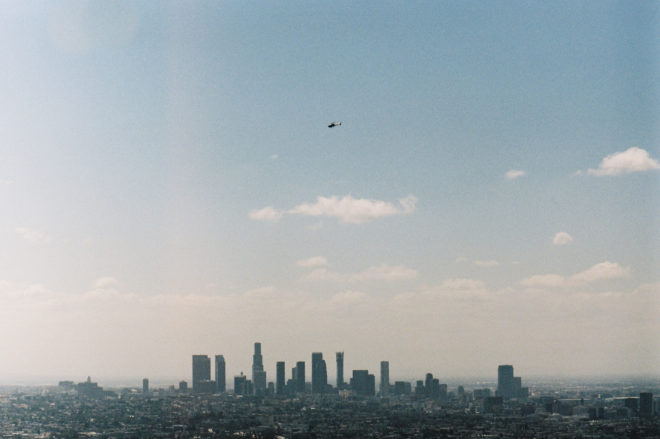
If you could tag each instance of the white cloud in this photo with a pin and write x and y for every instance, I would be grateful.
(32, 235)
(274, 157)
(487, 263)
(562, 238)
(514, 173)
(314, 261)
(346, 209)
(266, 214)
(602, 271)
(354, 210)
(633, 159)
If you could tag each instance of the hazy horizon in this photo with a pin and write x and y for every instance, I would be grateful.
(170, 186)
(474, 381)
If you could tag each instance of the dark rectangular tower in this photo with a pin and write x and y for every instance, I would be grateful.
(340, 370)
(319, 373)
(384, 377)
(300, 377)
(201, 371)
(220, 374)
(280, 378)
(505, 381)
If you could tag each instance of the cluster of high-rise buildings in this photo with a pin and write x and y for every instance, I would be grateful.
(360, 383)
(258, 385)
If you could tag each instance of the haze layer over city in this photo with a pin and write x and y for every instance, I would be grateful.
(175, 181)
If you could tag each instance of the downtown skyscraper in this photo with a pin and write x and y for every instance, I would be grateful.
(384, 377)
(340, 370)
(280, 381)
(201, 371)
(319, 373)
(220, 374)
(299, 377)
(258, 372)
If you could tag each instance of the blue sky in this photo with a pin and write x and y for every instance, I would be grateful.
(167, 173)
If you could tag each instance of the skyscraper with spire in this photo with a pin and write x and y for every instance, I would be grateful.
(258, 372)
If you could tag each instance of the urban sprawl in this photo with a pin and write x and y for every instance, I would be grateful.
(354, 408)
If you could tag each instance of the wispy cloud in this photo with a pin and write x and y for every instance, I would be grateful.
(266, 214)
(633, 159)
(32, 235)
(346, 209)
(562, 238)
(354, 210)
(514, 173)
(601, 271)
(314, 261)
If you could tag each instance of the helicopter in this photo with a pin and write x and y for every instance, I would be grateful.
(334, 124)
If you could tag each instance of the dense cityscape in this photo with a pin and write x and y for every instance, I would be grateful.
(298, 408)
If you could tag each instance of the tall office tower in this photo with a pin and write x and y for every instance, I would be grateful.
(645, 404)
(257, 360)
(300, 377)
(319, 373)
(340, 370)
(258, 373)
(428, 384)
(505, 381)
(280, 379)
(145, 385)
(384, 377)
(240, 385)
(201, 371)
(363, 383)
(220, 375)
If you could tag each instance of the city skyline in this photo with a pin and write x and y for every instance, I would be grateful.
(170, 186)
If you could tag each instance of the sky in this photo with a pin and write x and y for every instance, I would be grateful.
(169, 186)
